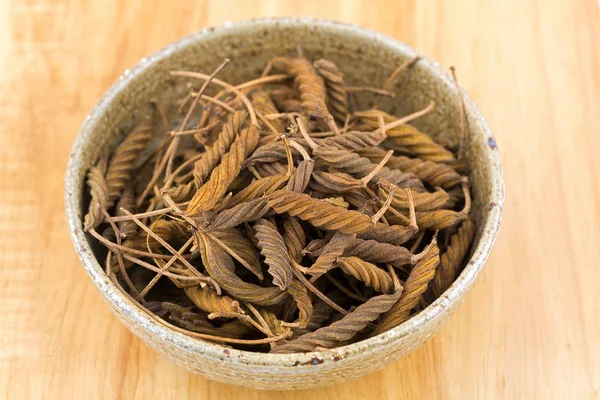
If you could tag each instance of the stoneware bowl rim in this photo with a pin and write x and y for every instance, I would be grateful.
(207, 349)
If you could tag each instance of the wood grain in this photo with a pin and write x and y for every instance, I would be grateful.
(531, 327)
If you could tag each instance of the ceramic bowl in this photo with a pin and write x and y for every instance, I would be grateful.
(366, 58)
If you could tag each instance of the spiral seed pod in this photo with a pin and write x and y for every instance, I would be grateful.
(244, 212)
(344, 329)
(394, 234)
(211, 157)
(334, 182)
(207, 300)
(423, 201)
(269, 153)
(416, 284)
(273, 323)
(451, 260)
(234, 329)
(327, 258)
(428, 171)
(439, 219)
(220, 267)
(319, 213)
(455, 196)
(258, 188)
(301, 176)
(271, 169)
(127, 201)
(183, 192)
(244, 248)
(360, 200)
(408, 137)
(263, 105)
(357, 166)
(375, 252)
(418, 143)
(321, 312)
(290, 106)
(336, 87)
(309, 83)
(368, 273)
(225, 173)
(353, 140)
(272, 247)
(316, 246)
(172, 231)
(122, 162)
(98, 192)
(300, 295)
(294, 238)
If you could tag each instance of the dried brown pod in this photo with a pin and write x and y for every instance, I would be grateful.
(270, 169)
(242, 247)
(319, 213)
(366, 272)
(263, 105)
(121, 164)
(127, 228)
(423, 201)
(258, 188)
(294, 237)
(300, 295)
(452, 258)
(273, 248)
(212, 155)
(301, 176)
(393, 234)
(274, 324)
(334, 182)
(376, 252)
(225, 173)
(359, 167)
(344, 329)
(336, 87)
(329, 255)
(244, 212)
(321, 312)
(435, 174)
(220, 267)
(98, 192)
(309, 83)
(316, 246)
(439, 219)
(361, 201)
(269, 153)
(207, 300)
(416, 284)
(408, 137)
(353, 140)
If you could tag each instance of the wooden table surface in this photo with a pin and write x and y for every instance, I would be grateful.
(529, 329)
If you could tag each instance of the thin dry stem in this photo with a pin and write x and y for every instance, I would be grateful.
(385, 206)
(399, 70)
(367, 178)
(383, 92)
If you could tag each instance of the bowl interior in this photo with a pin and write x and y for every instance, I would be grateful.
(366, 59)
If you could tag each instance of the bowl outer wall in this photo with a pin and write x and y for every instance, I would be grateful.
(280, 36)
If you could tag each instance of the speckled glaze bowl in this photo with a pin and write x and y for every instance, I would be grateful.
(365, 57)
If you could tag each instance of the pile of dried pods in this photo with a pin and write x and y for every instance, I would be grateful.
(273, 218)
